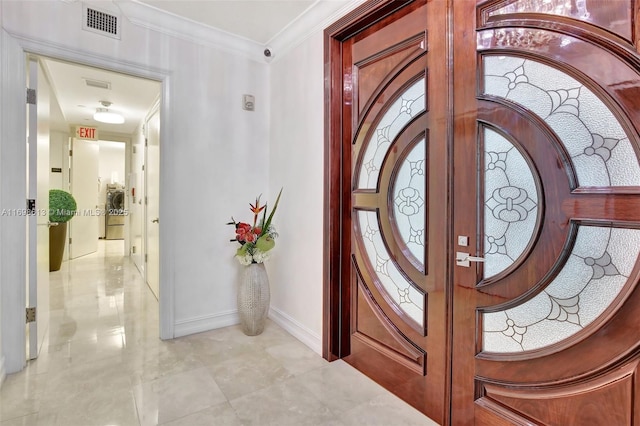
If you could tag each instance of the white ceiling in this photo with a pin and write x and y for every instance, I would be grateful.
(255, 22)
(133, 97)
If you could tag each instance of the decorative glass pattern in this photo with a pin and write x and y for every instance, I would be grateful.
(596, 271)
(409, 198)
(408, 105)
(393, 282)
(600, 150)
(511, 203)
(572, 8)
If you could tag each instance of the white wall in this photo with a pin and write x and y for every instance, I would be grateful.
(296, 163)
(12, 197)
(59, 158)
(214, 155)
(2, 130)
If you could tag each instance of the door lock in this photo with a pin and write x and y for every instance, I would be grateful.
(464, 259)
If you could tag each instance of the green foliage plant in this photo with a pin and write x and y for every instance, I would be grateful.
(62, 206)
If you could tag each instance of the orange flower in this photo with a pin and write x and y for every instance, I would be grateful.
(256, 210)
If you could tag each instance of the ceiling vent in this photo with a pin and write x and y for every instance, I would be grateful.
(97, 83)
(101, 22)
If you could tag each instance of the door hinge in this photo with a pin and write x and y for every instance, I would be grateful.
(70, 153)
(134, 149)
(31, 96)
(69, 240)
(31, 315)
(143, 167)
(146, 200)
(146, 142)
(146, 258)
(133, 249)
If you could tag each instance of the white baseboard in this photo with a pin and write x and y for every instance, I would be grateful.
(3, 373)
(205, 323)
(297, 330)
(225, 319)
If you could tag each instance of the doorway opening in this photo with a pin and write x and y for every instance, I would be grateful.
(96, 163)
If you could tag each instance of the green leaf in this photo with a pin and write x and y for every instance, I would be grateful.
(265, 243)
(275, 206)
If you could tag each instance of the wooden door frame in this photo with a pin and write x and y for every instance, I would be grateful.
(337, 211)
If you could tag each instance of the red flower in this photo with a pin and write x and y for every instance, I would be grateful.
(242, 231)
(250, 237)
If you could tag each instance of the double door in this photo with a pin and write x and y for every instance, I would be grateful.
(484, 174)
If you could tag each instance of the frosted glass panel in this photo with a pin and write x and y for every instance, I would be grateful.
(399, 289)
(595, 273)
(408, 105)
(409, 195)
(511, 203)
(573, 8)
(600, 151)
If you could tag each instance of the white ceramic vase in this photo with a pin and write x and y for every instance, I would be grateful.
(253, 299)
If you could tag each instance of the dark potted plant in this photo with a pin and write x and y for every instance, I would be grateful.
(62, 207)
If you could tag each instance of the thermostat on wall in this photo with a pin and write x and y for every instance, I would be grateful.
(248, 102)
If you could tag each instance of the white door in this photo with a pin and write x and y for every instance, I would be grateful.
(136, 208)
(84, 188)
(38, 190)
(152, 191)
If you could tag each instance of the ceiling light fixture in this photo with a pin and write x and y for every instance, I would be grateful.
(103, 115)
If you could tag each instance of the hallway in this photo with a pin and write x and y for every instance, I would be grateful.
(102, 363)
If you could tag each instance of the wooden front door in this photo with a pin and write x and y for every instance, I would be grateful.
(395, 177)
(547, 187)
(482, 260)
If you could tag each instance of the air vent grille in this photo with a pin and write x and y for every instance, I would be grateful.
(101, 22)
(97, 83)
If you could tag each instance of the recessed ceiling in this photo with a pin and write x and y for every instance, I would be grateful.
(257, 20)
(131, 96)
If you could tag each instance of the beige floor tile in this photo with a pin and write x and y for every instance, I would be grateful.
(220, 415)
(340, 386)
(175, 396)
(102, 363)
(283, 404)
(385, 410)
(29, 420)
(247, 372)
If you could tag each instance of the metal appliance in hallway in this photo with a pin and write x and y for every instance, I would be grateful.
(115, 212)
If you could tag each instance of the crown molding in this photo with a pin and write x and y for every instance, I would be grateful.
(316, 18)
(149, 17)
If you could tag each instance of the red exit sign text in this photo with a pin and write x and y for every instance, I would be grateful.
(83, 132)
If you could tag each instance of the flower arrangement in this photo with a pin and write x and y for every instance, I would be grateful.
(257, 240)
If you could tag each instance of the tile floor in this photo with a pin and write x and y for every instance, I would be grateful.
(102, 363)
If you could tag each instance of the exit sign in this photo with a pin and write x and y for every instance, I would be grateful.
(84, 132)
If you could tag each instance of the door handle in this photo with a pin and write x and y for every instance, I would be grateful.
(156, 220)
(464, 259)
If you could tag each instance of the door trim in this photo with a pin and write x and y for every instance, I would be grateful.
(336, 291)
(13, 130)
